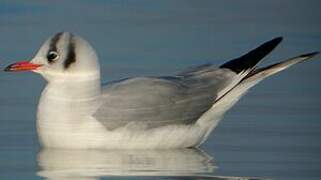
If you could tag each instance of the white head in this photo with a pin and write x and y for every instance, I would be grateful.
(62, 55)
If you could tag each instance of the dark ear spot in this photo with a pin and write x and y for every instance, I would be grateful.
(54, 41)
(71, 55)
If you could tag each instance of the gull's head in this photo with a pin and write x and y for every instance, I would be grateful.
(62, 55)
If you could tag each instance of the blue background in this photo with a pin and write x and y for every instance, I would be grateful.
(274, 131)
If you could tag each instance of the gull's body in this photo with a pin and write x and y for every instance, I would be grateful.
(142, 112)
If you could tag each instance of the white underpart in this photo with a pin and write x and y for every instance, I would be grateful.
(66, 106)
(65, 120)
(213, 116)
(64, 113)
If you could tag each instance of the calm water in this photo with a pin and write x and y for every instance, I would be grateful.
(273, 132)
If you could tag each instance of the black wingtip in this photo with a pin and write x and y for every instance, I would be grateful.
(249, 60)
(310, 55)
(277, 40)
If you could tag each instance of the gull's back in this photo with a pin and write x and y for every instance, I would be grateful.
(149, 102)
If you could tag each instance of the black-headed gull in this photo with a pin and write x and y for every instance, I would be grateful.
(142, 112)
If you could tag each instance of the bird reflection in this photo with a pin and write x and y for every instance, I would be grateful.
(93, 164)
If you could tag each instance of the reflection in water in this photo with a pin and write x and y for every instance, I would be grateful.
(92, 164)
(96, 164)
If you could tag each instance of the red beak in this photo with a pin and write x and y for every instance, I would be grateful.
(22, 66)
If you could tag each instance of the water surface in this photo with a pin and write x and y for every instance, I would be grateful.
(273, 132)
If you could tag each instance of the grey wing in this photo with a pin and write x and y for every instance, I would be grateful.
(179, 99)
(158, 101)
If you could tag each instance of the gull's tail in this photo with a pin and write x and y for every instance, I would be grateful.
(259, 74)
(211, 118)
(256, 76)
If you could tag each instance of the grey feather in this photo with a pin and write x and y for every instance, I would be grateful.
(158, 101)
(150, 102)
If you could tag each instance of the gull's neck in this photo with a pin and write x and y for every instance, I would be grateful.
(68, 98)
(74, 87)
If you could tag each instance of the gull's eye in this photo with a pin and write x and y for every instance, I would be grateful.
(52, 56)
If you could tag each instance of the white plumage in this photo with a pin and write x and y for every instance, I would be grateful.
(142, 112)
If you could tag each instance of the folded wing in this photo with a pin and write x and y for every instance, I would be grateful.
(149, 102)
